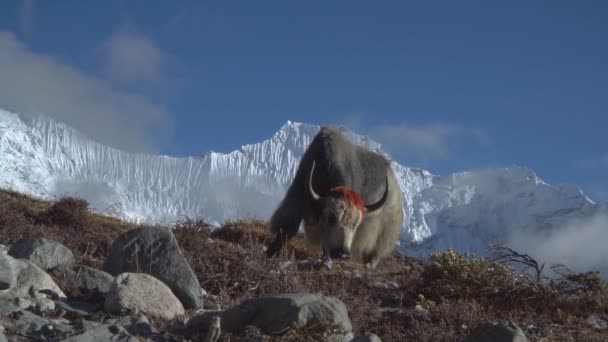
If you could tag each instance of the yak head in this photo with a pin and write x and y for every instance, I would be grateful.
(341, 212)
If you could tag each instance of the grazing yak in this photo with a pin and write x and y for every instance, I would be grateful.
(348, 197)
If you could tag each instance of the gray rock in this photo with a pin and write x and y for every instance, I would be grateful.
(340, 337)
(7, 276)
(139, 292)
(85, 278)
(136, 325)
(597, 323)
(367, 337)
(76, 308)
(46, 254)
(155, 251)
(29, 324)
(501, 331)
(2, 337)
(7, 307)
(31, 282)
(103, 333)
(277, 313)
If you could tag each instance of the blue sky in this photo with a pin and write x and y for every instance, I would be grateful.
(445, 85)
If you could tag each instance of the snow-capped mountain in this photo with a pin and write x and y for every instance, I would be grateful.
(464, 211)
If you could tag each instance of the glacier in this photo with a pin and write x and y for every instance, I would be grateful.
(464, 211)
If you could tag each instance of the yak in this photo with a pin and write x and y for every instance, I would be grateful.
(348, 198)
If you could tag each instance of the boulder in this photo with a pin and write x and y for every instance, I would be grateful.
(7, 277)
(84, 278)
(46, 254)
(154, 250)
(30, 282)
(105, 332)
(138, 292)
(501, 331)
(277, 313)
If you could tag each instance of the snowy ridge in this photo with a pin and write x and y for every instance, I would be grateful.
(464, 210)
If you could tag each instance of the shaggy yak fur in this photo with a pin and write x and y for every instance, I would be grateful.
(348, 198)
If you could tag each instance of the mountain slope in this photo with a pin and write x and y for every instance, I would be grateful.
(464, 211)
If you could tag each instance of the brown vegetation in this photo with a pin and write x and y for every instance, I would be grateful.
(459, 292)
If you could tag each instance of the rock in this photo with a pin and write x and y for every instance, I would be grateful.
(44, 305)
(114, 333)
(142, 293)
(155, 251)
(84, 278)
(7, 276)
(597, 323)
(368, 337)
(76, 308)
(7, 307)
(30, 282)
(340, 337)
(2, 337)
(136, 325)
(46, 254)
(29, 324)
(278, 313)
(501, 331)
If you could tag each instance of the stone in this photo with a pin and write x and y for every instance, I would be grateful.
(31, 282)
(84, 278)
(142, 293)
(7, 277)
(7, 307)
(114, 333)
(597, 323)
(137, 324)
(280, 312)
(154, 250)
(28, 323)
(76, 308)
(367, 337)
(501, 331)
(46, 254)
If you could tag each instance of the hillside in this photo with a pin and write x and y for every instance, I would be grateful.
(464, 211)
(443, 298)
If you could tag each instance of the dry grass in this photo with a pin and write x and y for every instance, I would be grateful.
(230, 264)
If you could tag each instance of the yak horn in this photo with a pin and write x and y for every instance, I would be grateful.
(312, 192)
(371, 208)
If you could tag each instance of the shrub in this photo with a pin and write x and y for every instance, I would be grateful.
(67, 211)
(450, 275)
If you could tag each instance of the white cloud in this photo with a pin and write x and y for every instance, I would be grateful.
(421, 141)
(129, 56)
(34, 83)
(580, 245)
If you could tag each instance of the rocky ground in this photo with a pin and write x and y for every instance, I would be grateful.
(69, 275)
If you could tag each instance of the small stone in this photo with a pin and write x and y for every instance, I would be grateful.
(597, 323)
(501, 331)
(105, 332)
(368, 337)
